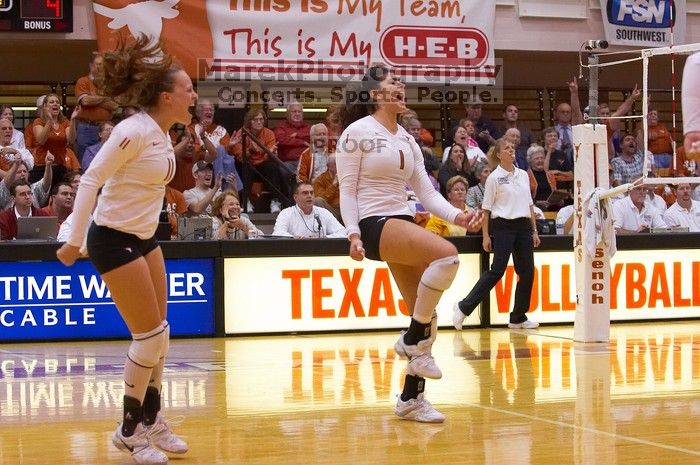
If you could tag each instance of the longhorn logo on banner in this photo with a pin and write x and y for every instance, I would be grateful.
(181, 24)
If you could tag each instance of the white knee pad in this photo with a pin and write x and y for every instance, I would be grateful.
(166, 339)
(145, 349)
(440, 273)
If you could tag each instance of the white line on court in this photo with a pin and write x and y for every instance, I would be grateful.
(590, 430)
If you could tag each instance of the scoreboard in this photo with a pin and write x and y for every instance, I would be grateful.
(36, 15)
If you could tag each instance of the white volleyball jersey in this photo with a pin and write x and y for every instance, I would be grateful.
(374, 167)
(132, 167)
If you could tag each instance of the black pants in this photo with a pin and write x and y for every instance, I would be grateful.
(269, 175)
(508, 236)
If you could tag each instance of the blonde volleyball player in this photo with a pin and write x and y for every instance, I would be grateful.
(132, 168)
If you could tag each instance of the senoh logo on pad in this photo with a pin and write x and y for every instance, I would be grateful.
(434, 46)
(641, 13)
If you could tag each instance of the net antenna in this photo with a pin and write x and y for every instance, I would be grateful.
(594, 64)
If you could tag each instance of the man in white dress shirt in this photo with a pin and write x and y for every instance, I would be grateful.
(685, 213)
(632, 215)
(304, 220)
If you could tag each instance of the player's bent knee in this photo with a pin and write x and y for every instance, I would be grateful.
(145, 349)
(441, 272)
(450, 249)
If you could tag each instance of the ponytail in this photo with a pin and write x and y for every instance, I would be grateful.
(492, 154)
(358, 101)
(137, 73)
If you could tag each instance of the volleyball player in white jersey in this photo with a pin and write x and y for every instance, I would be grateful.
(132, 168)
(691, 107)
(376, 159)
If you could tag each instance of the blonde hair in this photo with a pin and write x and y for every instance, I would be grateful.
(137, 73)
(61, 116)
(454, 180)
(492, 154)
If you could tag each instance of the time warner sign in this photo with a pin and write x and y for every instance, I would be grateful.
(46, 300)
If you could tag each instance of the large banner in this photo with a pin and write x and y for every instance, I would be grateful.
(46, 300)
(644, 23)
(447, 41)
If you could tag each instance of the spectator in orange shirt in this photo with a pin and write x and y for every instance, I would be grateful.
(326, 189)
(254, 122)
(61, 203)
(93, 109)
(425, 136)
(208, 134)
(53, 133)
(186, 155)
(175, 206)
(314, 159)
(660, 143)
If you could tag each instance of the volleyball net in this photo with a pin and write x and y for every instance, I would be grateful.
(594, 235)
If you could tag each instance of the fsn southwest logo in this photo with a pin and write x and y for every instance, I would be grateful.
(642, 13)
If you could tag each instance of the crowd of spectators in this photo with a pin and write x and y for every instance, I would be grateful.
(290, 170)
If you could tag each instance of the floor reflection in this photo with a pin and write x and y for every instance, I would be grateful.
(511, 397)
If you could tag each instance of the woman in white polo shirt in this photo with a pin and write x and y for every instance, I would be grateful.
(132, 168)
(508, 204)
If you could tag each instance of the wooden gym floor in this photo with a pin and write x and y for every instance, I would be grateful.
(511, 397)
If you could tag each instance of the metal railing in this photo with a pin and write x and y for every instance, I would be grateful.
(245, 165)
